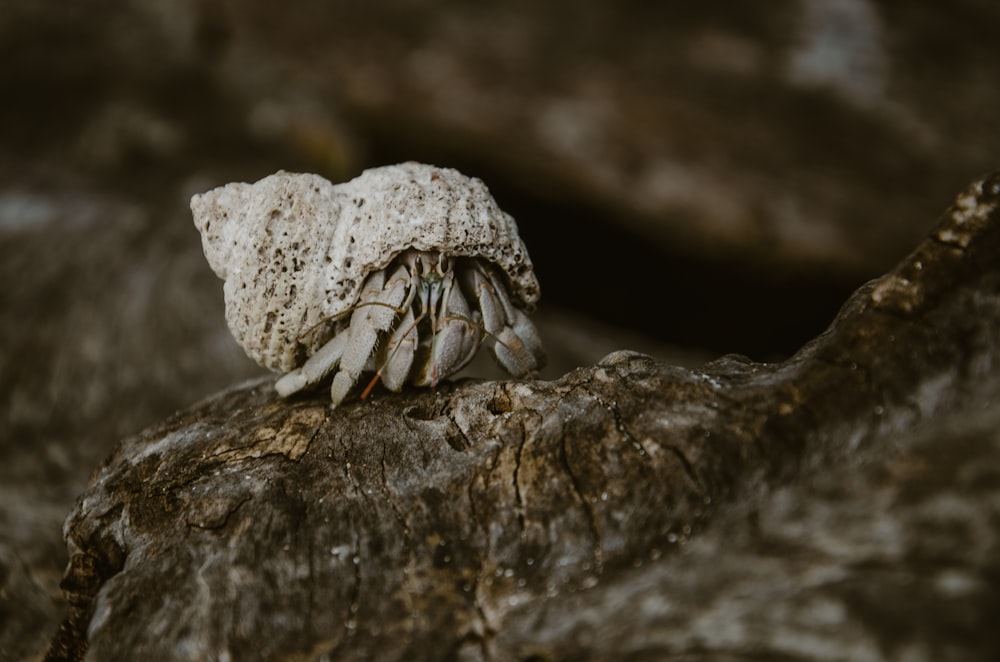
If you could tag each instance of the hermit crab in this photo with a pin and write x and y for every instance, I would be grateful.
(402, 272)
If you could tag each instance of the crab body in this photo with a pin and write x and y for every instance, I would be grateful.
(404, 271)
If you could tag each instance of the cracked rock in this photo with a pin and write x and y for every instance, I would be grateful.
(842, 504)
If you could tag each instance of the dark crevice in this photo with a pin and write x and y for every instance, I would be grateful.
(623, 429)
(457, 440)
(590, 262)
(482, 523)
(352, 610)
(688, 467)
(397, 513)
(356, 558)
(518, 502)
(225, 520)
(585, 505)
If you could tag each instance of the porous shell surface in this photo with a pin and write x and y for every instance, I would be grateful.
(294, 249)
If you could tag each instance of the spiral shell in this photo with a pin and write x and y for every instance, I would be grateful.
(294, 249)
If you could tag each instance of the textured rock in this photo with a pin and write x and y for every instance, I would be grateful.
(110, 321)
(717, 129)
(106, 326)
(841, 504)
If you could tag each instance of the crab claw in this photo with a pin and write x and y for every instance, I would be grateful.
(518, 354)
(516, 344)
(377, 307)
(455, 336)
(315, 369)
(396, 356)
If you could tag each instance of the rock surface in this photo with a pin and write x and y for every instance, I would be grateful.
(112, 320)
(841, 504)
(811, 138)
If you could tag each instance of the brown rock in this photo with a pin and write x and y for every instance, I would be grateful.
(841, 504)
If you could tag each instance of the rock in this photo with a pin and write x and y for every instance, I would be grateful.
(698, 116)
(840, 504)
(109, 318)
(111, 321)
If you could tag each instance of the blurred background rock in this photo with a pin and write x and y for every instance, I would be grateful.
(691, 180)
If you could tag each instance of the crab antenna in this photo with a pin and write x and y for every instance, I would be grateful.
(368, 389)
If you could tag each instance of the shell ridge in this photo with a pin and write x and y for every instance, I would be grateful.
(340, 247)
(294, 249)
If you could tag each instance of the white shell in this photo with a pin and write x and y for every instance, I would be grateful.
(294, 249)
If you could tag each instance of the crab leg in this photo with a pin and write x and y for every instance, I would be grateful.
(433, 305)
(455, 336)
(397, 357)
(516, 346)
(527, 332)
(519, 343)
(494, 317)
(459, 334)
(378, 306)
(512, 353)
(315, 369)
